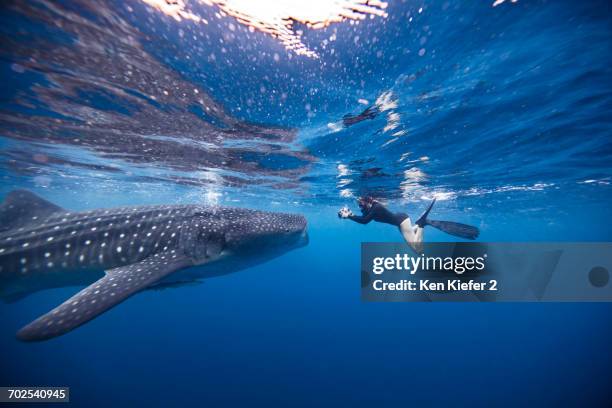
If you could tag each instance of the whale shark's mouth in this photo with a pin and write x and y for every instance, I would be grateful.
(276, 17)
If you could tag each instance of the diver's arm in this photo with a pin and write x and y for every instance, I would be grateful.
(361, 219)
(345, 213)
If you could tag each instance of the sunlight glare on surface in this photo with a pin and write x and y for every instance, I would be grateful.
(276, 17)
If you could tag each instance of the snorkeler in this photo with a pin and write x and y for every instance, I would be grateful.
(369, 113)
(373, 210)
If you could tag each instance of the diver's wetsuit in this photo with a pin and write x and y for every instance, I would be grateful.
(380, 213)
(412, 233)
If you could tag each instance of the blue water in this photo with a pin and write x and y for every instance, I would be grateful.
(503, 113)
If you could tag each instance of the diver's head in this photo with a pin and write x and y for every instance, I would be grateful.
(365, 203)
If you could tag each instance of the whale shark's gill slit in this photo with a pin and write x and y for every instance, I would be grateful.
(117, 285)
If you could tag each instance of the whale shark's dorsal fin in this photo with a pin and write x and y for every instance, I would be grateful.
(21, 207)
(118, 284)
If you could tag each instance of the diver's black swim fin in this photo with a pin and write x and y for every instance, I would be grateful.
(422, 221)
(453, 228)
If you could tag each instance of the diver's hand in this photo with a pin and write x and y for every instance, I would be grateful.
(344, 212)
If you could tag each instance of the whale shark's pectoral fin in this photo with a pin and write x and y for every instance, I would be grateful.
(117, 285)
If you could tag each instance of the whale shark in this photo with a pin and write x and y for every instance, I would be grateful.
(118, 252)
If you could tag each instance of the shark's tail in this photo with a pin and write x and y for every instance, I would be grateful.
(453, 228)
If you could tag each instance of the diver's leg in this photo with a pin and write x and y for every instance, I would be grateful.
(413, 234)
(407, 230)
(418, 238)
(418, 233)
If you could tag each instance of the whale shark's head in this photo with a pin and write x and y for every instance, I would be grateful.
(267, 231)
(249, 233)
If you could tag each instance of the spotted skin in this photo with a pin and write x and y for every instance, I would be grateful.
(118, 284)
(138, 247)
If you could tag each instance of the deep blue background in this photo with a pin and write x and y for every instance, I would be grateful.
(294, 332)
(511, 106)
